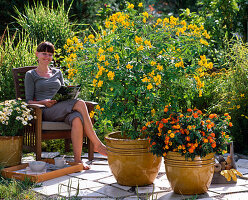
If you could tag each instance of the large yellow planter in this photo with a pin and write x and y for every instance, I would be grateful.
(130, 160)
(187, 176)
(10, 150)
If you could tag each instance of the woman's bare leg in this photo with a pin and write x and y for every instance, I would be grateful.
(99, 147)
(77, 140)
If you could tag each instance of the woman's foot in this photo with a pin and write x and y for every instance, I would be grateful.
(101, 148)
(85, 166)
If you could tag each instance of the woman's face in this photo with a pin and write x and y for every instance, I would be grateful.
(44, 57)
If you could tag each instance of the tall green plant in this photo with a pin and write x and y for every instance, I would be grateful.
(15, 51)
(220, 18)
(231, 89)
(234, 93)
(46, 23)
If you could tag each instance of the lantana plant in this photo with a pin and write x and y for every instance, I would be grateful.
(190, 134)
(136, 64)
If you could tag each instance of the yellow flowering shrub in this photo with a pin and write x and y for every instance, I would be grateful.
(136, 64)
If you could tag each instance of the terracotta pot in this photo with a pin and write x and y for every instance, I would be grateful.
(10, 150)
(130, 160)
(187, 176)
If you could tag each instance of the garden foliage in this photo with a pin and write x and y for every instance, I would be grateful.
(233, 90)
(15, 51)
(45, 23)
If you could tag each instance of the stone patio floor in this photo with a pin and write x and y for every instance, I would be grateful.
(99, 183)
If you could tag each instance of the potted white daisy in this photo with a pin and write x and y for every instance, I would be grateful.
(14, 115)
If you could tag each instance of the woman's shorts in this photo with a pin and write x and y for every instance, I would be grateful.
(61, 112)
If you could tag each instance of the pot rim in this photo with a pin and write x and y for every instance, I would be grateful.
(6, 137)
(108, 136)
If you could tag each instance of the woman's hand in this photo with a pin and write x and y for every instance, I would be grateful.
(49, 103)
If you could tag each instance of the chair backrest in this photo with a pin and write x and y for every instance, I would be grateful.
(19, 76)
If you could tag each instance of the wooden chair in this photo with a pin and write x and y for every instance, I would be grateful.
(43, 130)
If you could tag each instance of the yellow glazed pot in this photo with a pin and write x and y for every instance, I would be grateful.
(187, 176)
(130, 160)
(10, 150)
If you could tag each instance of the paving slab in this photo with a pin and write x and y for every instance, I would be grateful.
(82, 184)
(113, 192)
(100, 167)
(237, 196)
(83, 194)
(123, 187)
(242, 170)
(108, 180)
(162, 182)
(132, 198)
(100, 162)
(49, 154)
(49, 190)
(242, 163)
(91, 174)
(96, 156)
(227, 188)
(99, 183)
(174, 196)
(56, 181)
(148, 189)
(27, 159)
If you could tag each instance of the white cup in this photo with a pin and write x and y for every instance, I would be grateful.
(59, 162)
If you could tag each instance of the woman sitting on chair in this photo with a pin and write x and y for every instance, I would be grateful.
(41, 85)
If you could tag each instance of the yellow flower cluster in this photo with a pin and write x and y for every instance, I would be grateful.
(111, 75)
(156, 79)
(72, 46)
(180, 64)
(116, 19)
(204, 42)
(204, 62)
(130, 5)
(145, 14)
(138, 40)
(72, 72)
(199, 85)
(92, 113)
(140, 48)
(129, 66)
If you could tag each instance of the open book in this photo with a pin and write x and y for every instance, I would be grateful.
(67, 92)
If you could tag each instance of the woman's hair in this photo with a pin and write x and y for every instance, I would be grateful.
(45, 47)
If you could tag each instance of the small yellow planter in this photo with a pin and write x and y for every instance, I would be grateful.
(187, 176)
(10, 150)
(130, 160)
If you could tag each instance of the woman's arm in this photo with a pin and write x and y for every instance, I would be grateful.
(47, 102)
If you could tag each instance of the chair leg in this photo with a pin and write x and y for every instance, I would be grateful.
(67, 145)
(38, 152)
(90, 150)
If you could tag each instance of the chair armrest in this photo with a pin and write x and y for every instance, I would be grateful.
(36, 106)
(91, 103)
